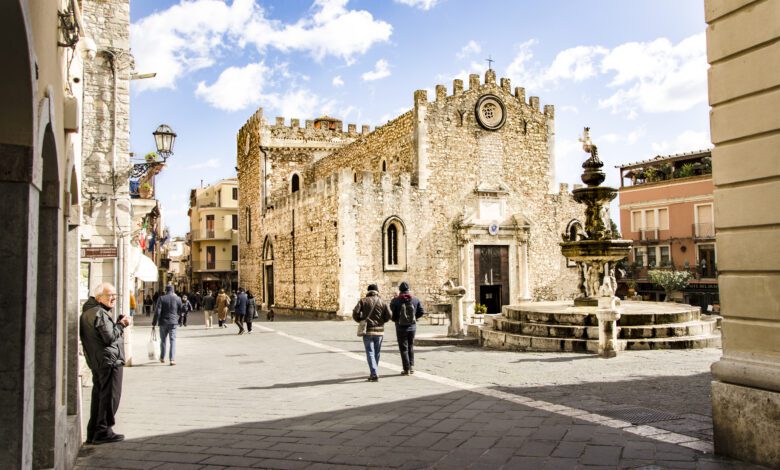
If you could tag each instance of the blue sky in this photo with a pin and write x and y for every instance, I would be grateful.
(634, 71)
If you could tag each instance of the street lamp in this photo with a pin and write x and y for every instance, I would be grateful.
(164, 137)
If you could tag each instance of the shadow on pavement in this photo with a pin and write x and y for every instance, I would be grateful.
(314, 383)
(451, 430)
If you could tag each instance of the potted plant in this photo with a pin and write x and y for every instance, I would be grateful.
(150, 157)
(631, 283)
(145, 190)
(669, 280)
(479, 313)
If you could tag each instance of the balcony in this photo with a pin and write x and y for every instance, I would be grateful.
(648, 234)
(214, 266)
(637, 272)
(704, 231)
(207, 234)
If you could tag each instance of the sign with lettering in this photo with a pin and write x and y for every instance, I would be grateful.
(98, 252)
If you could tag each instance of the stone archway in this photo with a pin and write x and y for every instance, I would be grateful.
(18, 239)
(49, 327)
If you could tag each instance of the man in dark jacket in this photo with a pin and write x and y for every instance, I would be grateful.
(375, 312)
(242, 301)
(101, 339)
(167, 315)
(406, 310)
(208, 308)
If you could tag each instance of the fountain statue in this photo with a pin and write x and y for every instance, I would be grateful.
(594, 247)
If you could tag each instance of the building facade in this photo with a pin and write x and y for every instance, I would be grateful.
(213, 236)
(456, 189)
(40, 189)
(744, 56)
(667, 209)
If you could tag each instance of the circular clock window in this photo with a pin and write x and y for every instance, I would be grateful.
(490, 112)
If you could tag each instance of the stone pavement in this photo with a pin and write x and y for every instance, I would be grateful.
(294, 395)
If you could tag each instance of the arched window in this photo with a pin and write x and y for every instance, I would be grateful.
(394, 244)
(295, 183)
(354, 176)
(384, 165)
(268, 250)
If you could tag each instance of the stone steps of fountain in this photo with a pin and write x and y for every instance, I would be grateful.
(554, 326)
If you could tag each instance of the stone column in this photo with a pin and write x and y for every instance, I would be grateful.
(526, 292)
(457, 326)
(608, 314)
(742, 51)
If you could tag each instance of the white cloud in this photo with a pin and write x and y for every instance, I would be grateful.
(337, 81)
(299, 103)
(650, 77)
(210, 163)
(685, 142)
(236, 88)
(658, 76)
(381, 70)
(569, 109)
(421, 4)
(469, 49)
(192, 35)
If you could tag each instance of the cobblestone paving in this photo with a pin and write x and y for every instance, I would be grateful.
(293, 395)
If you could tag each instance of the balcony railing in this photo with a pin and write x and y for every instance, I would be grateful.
(648, 234)
(219, 265)
(212, 234)
(705, 272)
(704, 230)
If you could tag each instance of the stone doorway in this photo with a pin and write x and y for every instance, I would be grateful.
(491, 276)
(269, 284)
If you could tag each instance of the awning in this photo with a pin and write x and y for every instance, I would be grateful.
(208, 278)
(142, 267)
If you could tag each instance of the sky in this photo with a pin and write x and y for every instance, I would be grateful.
(634, 71)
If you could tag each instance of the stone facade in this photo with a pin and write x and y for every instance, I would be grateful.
(105, 152)
(413, 201)
(744, 55)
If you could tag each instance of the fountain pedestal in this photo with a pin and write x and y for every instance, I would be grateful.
(608, 315)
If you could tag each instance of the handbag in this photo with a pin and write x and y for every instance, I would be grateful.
(153, 346)
(362, 328)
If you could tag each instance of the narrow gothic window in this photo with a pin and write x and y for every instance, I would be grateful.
(295, 183)
(392, 245)
(384, 166)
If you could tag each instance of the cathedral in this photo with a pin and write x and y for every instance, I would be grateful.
(459, 188)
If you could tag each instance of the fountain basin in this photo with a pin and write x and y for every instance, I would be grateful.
(593, 251)
(560, 326)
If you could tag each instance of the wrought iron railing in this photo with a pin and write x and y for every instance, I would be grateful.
(218, 265)
(704, 230)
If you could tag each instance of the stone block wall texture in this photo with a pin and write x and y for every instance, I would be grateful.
(436, 155)
(742, 49)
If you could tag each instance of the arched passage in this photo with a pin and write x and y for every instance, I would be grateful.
(48, 325)
(18, 239)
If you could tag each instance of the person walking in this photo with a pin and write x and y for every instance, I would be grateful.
(208, 309)
(406, 310)
(133, 304)
(251, 311)
(375, 312)
(241, 307)
(167, 315)
(102, 340)
(186, 307)
(222, 308)
(232, 306)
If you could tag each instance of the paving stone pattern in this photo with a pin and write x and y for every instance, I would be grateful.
(293, 395)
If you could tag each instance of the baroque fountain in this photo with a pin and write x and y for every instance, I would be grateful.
(597, 321)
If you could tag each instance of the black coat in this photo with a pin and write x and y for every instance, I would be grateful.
(168, 308)
(100, 336)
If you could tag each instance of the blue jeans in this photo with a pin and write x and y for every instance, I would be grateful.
(373, 346)
(165, 331)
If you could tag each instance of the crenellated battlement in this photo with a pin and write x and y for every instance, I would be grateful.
(421, 96)
(324, 123)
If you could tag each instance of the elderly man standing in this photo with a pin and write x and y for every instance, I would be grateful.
(101, 338)
(168, 308)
